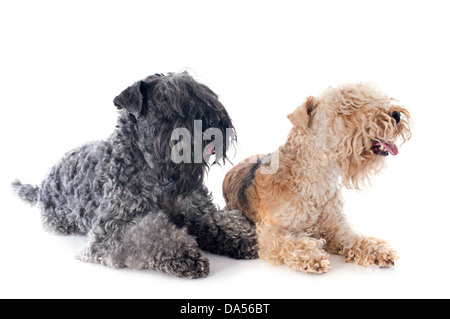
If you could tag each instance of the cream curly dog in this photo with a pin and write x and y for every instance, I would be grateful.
(339, 138)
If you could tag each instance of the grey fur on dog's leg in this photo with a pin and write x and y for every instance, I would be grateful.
(228, 233)
(153, 243)
(238, 234)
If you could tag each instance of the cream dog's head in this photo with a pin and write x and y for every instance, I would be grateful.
(357, 126)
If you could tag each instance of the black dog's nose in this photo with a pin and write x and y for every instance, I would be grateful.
(397, 116)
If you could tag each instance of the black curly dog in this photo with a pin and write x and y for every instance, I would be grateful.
(140, 209)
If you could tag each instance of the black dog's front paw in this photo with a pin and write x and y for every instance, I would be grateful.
(235, 236)
(193, 264)
(246, 248)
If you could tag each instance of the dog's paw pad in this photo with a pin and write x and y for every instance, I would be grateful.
(385, 259)
(313, 266)
(320, 267)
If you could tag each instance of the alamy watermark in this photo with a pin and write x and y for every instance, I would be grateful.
(182, 150)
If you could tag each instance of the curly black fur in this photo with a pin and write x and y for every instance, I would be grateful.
(139, 208)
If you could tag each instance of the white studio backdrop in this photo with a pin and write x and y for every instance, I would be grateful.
(63, 62)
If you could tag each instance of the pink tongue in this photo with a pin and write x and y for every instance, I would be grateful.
(391, 147)
(210, 149)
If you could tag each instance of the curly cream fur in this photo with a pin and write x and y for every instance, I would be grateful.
(299, 209)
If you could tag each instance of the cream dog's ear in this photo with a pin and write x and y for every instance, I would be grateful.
(302, 116)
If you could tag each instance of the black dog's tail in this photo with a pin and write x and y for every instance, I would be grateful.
(27, 193)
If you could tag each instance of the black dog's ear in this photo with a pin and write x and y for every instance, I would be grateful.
(131, 99)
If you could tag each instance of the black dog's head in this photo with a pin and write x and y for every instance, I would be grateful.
(180, 124)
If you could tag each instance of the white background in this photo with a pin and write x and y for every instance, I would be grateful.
(62, 63)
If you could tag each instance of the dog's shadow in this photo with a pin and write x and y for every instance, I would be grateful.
(223, 264)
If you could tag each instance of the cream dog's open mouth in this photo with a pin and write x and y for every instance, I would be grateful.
(383, 148)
